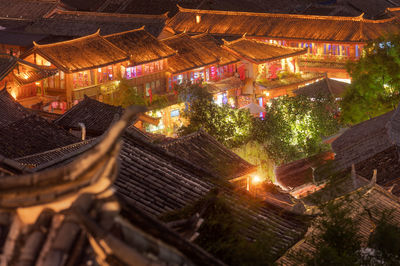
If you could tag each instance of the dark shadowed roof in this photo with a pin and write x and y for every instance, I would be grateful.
(261, 52)
(203, 150)
(213, 44)
(31, 135)
(324, 87)
(141, 46)
(191, 54)
(10, 110)
(80, 54)
(366, 139)
(303, 27)
(75, 23)
(19, 38)
(300, 172)
(367, 205)
(96, 116)
(27, 9)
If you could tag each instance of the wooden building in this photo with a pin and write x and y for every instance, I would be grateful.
(330, 40)
(20, 77)
(94, 65)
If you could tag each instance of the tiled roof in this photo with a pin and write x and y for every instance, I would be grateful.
(261, 52)
(365, 139)
(191, 54)
(141, 46)
(367, 205)
(10, 110)
(300, 172)
(156, 181)
(39, 160)
(96, 116)
(75, 23)
(282, 26)
(202, 149)
(322, 88)
(30, 135)
(80, 54)
(27, 9)
(210, 42)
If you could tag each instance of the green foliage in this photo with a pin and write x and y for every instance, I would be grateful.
(385, 240)
(375, 82)
(231, 127)
(128, 95)
(256, 154)
(294, 126)
(221, 234)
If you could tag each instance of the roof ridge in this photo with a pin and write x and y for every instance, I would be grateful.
(244, 38)
(106, 14)
(125, 32)
(316, 17)
(96, 34)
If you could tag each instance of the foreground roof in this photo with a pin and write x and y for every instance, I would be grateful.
(141, 46)
(261, 52)
(203, 150)
(191, 54)
(80, 54)
(282, 26)
(96, 116)
(69, 215)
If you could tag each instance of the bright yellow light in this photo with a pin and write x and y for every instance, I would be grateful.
(14, 94)
(37, 83)
(256, 179)
(266, 93)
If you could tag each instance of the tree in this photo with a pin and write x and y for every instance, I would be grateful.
(294, 126)
(375, 82)
(230, 126)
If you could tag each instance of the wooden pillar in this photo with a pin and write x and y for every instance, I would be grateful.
(69, 86)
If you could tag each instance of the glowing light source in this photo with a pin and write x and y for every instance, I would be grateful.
(14, 94)
(266, 93)
(198, 19)
(256, 179)
(37, 83)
